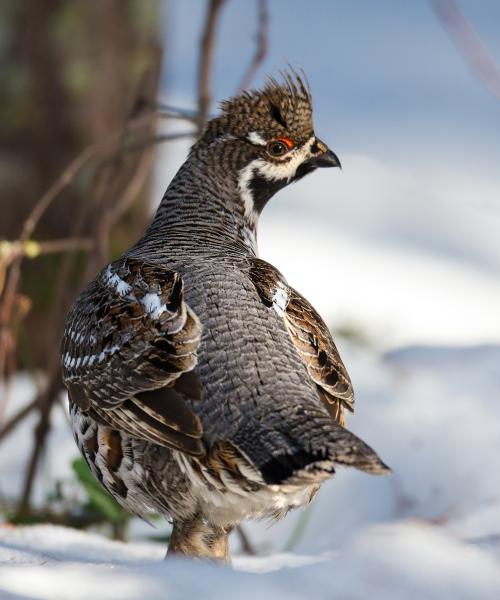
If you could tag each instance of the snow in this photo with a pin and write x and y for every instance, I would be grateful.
(386, 561)
(394, 294)
(431, 530)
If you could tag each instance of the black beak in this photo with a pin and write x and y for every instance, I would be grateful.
(322, 156)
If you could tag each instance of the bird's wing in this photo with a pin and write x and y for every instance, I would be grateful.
(315, 345)
(128, 354)
(310, 336)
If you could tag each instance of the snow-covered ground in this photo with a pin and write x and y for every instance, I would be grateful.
(431, 530)
(407, 559)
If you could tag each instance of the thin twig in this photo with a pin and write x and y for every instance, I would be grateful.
(206, 60)
(167, 111)
(262, 46)
(158, 139)
(44, 403)
(133, 188)
(14, 421)
(55, 189)
(246, 544)
(469, 43)
(32, 249)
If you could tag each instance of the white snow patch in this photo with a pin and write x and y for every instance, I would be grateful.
(410, 559)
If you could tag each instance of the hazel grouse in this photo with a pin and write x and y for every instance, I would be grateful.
(201, 385)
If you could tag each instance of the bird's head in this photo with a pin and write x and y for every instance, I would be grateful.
(265, 139)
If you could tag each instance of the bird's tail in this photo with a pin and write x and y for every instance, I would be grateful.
(311, 447)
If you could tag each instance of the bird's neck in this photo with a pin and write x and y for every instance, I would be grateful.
(205, 209)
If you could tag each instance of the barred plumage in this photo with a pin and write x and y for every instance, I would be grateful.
(201, 384)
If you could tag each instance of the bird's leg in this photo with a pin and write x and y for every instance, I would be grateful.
(200, 539)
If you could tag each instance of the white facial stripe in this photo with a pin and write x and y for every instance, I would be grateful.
(255, 138)
(246, 175)
(284, 169)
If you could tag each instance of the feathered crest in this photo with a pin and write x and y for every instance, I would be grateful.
(282, 105)
(292, 87)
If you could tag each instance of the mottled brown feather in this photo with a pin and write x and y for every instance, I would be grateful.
(143, 338)
(314, 342)
(311, 338)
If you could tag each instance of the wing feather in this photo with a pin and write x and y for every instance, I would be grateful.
(310, 336)
(129, 344)
(314, 343)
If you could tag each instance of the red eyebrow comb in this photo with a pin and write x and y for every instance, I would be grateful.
(287, 141)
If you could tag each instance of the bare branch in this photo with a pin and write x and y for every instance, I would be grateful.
(246, 544)
(158, 139)
(133, 188)
(32, 249)
(13, 276)
(44, 404)
(168, 111)
(262, 46)
(18, 418)
(469, 44)
(206, 60)
(55, 189)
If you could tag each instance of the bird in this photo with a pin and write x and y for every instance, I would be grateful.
(201, 385)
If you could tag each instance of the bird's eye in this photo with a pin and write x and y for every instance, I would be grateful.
(279, 147)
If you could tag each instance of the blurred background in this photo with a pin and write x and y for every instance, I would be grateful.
(399, 251)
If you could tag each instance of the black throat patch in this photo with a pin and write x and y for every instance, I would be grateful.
(263, 189)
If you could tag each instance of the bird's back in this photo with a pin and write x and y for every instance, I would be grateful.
(254, 383)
